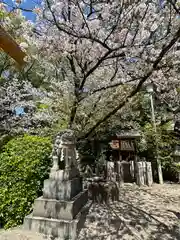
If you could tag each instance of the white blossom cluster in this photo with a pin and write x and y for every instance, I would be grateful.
(96, 55)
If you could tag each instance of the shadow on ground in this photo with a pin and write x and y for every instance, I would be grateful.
(140, 214)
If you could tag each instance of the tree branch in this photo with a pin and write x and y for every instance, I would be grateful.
(138, 87)
(84, 19)
(174, 6)
(14, 8)
(76, 93)
(115, 26)
(92, 111)
(94, 68)
(106, 56)
(137, 29)
(59, 27)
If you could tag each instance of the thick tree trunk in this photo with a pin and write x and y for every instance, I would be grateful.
(178, 177)
(72, 115)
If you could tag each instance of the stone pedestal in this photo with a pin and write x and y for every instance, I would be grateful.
(111, 173)
(60, 211)
(144, 173)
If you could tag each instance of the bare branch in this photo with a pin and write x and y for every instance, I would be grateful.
(92, 111)
(137, 30)
(16, 7)
(73, 34)
(85, 22)
(94, 68)
(115, 26)
(101, 60)
(174, 6)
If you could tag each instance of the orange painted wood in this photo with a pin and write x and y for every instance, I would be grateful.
(11, 47)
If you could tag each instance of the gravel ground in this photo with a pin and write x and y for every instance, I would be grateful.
(145, 213)
(18, 234)
(141, 214)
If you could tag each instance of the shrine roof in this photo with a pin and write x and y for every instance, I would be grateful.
(128, 134)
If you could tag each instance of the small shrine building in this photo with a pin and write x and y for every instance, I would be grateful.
(123, 146)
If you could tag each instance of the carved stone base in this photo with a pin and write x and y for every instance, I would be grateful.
(64, 174)
(62, 229)
(55, 227)
(59, 212)
(67, 210)
(62, 190)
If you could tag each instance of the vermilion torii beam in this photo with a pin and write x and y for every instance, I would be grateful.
(9, 46)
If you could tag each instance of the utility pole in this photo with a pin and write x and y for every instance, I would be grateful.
(150, 90)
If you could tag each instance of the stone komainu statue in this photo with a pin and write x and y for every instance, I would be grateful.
(64, 152)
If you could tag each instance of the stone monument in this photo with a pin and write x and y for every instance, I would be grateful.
(177, 161)
(144, 173)
(60, 211)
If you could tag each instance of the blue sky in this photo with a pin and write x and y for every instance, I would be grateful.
(27, 4)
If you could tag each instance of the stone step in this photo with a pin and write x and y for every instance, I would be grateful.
(62, 190)
(62, 229)
(67, 210)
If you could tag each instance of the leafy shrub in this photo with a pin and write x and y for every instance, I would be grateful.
(166, 143)
(24, 164)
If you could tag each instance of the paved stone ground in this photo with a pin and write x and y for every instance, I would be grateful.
(141, 214)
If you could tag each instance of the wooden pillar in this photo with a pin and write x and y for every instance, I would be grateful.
(120, 156)
(132, 171)
(149, 175)
(120, 178)
(9, 46)
(119, 170)
(135, 162)
(140, 180)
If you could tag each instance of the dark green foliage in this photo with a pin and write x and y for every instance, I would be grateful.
(24, 164)
(166, 142)
(4, 139)
(87, 152)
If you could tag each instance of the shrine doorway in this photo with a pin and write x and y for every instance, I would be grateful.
(124, 155)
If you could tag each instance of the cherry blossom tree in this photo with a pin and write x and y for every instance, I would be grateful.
(95, 56)
(21, 107)
(99, 54)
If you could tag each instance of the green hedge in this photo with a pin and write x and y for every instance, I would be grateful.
(24, 164)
